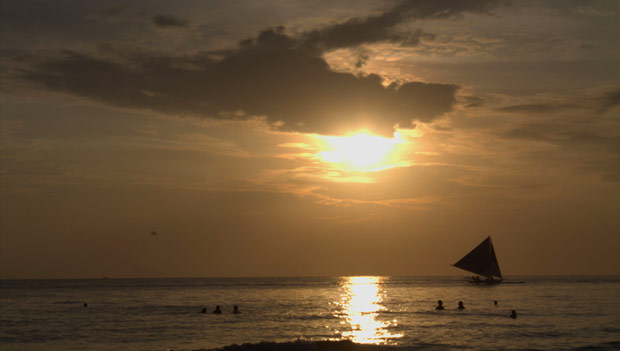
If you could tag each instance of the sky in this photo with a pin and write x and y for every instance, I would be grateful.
(296, 138)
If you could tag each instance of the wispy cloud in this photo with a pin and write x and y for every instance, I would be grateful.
(384, 27)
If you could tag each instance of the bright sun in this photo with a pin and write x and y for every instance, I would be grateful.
(361, 151)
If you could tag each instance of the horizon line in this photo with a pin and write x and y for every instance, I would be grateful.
(309, 277)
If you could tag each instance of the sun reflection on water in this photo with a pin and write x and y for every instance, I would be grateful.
(361, 301)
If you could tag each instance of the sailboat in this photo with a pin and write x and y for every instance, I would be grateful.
(482, 261)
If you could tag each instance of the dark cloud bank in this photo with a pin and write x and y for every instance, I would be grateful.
(274, 74)
(169, 21)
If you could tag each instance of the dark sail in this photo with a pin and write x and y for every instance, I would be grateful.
(481, 260)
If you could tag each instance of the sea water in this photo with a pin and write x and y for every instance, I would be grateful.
(554, 313)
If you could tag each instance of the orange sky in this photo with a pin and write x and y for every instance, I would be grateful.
(297, 139)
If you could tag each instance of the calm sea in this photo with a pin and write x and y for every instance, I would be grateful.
(554, 313)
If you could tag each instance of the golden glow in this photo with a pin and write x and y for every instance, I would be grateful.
(361, 151)
(361, 303)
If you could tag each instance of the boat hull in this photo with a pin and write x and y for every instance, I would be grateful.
(484, 282)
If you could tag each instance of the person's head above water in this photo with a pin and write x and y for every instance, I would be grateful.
(461, 305)
(236, 309)
(439, 302)
(513, 314)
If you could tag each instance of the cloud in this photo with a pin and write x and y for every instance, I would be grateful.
(578, 132)
(383, 27)
(108, 13)
(362, 58)
(537, 108)
(612, 177)
(116, 14)
(275, 75)
(473, 101)
(599, 104)
(581, 132)
(609, 100)
(164, 21)
(591, 145)
(531, 131)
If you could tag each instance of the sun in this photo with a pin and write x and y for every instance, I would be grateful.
(360, 151)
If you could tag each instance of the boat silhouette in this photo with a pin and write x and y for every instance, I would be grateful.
(483, 262)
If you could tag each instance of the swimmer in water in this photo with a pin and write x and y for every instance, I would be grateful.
(236, 309)
(513, 314)
(217, 310)
(204, 310)
(495, 302)
(85, 304)
(461, 307)
(439, 305)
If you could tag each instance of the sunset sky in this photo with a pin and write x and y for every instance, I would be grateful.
(308, 138)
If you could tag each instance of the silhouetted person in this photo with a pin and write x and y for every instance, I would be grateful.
(513, 314)
(495, 302)
(85, 304)
(217, 310)
(204, 310)
(439, 305)
(236, 309)
(461, 307)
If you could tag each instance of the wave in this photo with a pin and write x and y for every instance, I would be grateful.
(302, 345)
(341, 345)
(613, 345)
(347, 345)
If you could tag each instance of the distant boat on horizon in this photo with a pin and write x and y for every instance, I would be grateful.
(483, 262)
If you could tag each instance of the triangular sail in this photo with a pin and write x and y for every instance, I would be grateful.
(481, 260)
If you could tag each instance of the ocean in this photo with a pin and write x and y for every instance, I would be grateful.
(389, 313)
